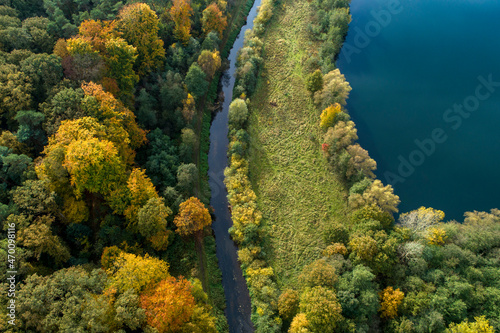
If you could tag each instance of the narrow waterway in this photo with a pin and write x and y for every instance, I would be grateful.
(238, 307)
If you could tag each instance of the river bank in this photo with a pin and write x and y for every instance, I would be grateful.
(238, 306)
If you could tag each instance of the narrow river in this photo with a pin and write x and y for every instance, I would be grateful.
(238, 307)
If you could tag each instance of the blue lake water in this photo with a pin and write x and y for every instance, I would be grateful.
(426, 98)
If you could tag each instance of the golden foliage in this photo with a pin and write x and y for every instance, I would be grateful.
(210, 62)
(170, 305)
(213, 20)
(299, 324)
(481, 325)
(131, 271)
(436, 236)
(390, 299)
(328, 116)
(193, 216)
(180, 13)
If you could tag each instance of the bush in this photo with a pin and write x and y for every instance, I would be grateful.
(314, 81)
(238, 113)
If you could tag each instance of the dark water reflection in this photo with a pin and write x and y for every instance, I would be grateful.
(416, 66)
(238, 307)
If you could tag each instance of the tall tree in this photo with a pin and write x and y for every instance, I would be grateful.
(181, 12)
(139, 25)
(213, 20)
(170, 305)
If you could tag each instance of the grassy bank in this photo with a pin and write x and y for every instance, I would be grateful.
(296, 190)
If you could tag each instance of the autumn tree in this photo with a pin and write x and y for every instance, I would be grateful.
(288, 304)
(335, 90)
(193, 217)
(180, 12)
(322, 309)
(213, 19)
(129, 271)
(318, 273)
(342, 135)
(480, 325)
(299, 324)
(328, 116)
(189, 108)
(15, 91)
(210, 62)
(421, 219)
(360, 164)
(376, 193)
(169, 305)
(139, 25)
(390, 300)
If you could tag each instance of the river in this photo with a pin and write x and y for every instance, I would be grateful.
(238, 306)
(426, 100)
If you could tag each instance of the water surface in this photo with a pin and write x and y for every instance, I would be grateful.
(238, 306)
(412, 65)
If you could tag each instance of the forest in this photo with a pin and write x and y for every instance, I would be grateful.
(105, 117)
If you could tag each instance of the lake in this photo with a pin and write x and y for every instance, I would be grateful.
(426, 98)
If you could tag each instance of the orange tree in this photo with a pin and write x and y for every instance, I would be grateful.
(169, 305)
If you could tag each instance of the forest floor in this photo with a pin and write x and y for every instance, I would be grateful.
(297, 191)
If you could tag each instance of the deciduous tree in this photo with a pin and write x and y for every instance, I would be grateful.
(322, 309)
(181, 12)
(390, 300)
(192, 217)
(170, 305)
(129, 271)
(140, 25)
(213, 19)
(328, 116)
(210, 62)
(335, 90)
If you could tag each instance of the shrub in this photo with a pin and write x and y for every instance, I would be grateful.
(238, 113)
(314, 81)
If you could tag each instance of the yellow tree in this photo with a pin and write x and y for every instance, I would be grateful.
(210, 62)
(139, 25)
(129, 271)
(193, 217)
(481, 325)
(390, 299)
(213, 20)
(180, 12)
(328, 116)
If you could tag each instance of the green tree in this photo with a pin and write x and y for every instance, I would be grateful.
(152, 217)
(314, 81)
(15, 91)
(44, 71)
(335, 90)
(37, 27)
(196, 81)
(120, 59)
(58, 302)
(238, 113)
